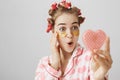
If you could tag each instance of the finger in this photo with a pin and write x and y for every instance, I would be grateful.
(107, 49)
(94, 64)
(104, 54)
(110, 59)
(94, 52)
(99, 52)
(107, 44)
(54, 39)
(102, 62)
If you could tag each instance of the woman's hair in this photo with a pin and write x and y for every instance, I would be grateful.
(58, 9)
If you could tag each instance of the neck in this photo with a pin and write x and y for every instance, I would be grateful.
(65, 56)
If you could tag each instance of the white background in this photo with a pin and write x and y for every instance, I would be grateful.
(23, 40)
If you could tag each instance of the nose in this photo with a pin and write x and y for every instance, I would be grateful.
(69, 34)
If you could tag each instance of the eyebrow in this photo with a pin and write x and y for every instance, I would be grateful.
(61, 24)
(65, 23)
(75, 23)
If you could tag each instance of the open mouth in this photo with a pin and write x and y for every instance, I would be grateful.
(70, 43)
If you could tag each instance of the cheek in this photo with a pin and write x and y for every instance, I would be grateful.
(61, 41)
(76, 33)
(62, 34)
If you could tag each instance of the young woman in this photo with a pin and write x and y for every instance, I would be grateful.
(69, 61)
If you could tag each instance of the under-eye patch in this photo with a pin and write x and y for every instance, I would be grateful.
(62, 34)
(75, 32)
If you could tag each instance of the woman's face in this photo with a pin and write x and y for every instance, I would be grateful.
(67, 27)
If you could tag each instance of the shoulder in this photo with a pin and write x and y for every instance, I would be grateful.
(44, 60)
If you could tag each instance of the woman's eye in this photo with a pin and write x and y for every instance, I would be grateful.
(75, 28)
(62, 29)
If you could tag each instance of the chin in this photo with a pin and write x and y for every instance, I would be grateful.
(69, 49)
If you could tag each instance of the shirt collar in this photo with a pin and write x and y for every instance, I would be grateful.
(77, 51)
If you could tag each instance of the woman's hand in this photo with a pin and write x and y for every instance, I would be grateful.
(101, 61)
(55, 63)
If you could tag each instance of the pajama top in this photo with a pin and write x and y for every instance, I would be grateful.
(78, 67)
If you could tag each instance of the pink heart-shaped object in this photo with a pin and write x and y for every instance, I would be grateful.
(94, 39)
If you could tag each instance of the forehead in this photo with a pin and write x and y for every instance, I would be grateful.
(66, 18)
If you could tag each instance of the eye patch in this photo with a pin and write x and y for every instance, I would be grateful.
(74, 33)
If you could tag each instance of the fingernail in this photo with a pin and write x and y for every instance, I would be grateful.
(95, 50)
(95, 56)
